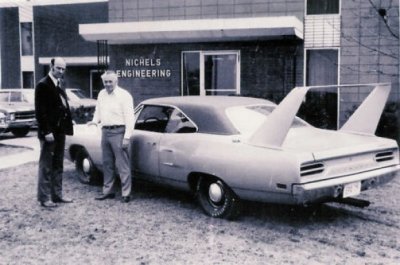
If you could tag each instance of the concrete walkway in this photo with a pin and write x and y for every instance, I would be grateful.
(31, 155)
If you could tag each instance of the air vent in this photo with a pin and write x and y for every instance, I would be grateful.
(384, 156)
(310, 169)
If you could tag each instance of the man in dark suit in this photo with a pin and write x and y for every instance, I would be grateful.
(54, 122)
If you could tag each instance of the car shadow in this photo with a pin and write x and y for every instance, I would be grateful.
(289, 214)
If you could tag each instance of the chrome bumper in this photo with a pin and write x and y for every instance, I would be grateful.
(326, 190)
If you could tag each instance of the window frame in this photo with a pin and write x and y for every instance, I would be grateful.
(202, 54)
(141, 107)
(306, 4)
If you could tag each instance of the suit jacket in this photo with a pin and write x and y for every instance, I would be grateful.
(52, 116)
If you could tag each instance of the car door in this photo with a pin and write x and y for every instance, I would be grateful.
(176, 147)
(149, 127)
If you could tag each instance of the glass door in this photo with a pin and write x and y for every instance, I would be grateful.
(211, 73)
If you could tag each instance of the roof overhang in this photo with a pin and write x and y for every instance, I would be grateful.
(71, 61)
(198, 30)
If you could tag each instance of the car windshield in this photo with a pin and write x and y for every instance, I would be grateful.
(28, 96)
(78, 93)
(247, 119)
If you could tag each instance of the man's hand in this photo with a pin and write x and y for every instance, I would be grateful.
(49, 138)
(125, 143)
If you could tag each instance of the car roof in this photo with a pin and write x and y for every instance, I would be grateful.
(11, 89)
(208, 112)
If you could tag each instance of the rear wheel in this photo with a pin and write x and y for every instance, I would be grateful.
(20, 132)
(217, 199)
(87, 172)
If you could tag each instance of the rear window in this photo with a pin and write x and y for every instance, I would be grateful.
(247, 119)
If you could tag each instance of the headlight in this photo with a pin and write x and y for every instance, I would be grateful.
(12, 116)
(2, 118)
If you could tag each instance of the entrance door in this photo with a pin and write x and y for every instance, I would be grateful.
(211, 73)
(96, 84)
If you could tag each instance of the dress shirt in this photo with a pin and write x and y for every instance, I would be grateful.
(115, 108)
(57, 83)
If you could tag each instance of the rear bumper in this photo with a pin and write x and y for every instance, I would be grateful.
(326, 190)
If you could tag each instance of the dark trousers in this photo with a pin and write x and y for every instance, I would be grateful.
(51, 168)
(115, 160)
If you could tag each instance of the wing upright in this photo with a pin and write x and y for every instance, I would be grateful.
(366, 117)
(274, 129)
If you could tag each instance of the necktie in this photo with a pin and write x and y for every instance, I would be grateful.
(63, 100)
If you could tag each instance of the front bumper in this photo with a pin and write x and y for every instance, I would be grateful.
(330, 189)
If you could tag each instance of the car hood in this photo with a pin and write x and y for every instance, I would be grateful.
(16, 106)
(325, 144)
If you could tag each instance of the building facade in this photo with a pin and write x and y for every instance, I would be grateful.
(260, 48)
(33, 32)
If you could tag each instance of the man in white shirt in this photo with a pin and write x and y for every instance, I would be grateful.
(114, 111)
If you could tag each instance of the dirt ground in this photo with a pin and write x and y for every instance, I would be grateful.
(167, 227)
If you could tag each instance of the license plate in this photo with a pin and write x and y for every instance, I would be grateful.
(352, 189)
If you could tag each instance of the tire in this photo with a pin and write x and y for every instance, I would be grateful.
(87, 172)
(217, 199)
(20, 132)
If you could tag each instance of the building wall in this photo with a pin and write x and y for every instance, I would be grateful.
(369, 51)
(56, 29)
(268, 69)
(148, 10)
(10, 52)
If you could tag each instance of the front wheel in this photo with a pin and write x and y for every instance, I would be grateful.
(217, 199)
(87, 172)
(20, 132)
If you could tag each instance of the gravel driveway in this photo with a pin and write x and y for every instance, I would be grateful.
(167, 227)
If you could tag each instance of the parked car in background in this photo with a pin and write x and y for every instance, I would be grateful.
(17, 113)
(82, 107)
(227, 149)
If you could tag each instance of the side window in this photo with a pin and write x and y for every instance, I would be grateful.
(179, 123)
(153, 118)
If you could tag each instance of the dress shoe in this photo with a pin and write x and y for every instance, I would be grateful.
(63, 200)
(105, 196)
(126, 198)
(48, 204)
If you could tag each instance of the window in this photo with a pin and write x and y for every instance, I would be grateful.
(322, 67)
(321, 106)
(179, 123)
(191, 74)
(210, 73)
(322, 7)
(163, 119)
(27, 80)
(26, 39)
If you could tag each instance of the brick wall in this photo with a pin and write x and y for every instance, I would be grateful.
(56, 30)
(369, 48)
(148, 10)
(268, 69)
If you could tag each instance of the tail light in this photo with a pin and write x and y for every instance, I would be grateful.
(311, 169)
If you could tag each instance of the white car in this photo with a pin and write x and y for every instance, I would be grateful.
(82, 107)
(17, 114)
(227, 149)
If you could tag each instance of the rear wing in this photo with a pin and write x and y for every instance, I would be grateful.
(272, 133)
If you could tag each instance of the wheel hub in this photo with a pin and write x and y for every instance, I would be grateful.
(215, 192)
(86, 166)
